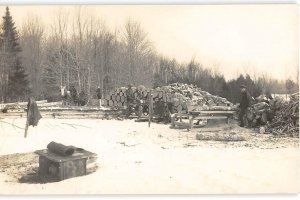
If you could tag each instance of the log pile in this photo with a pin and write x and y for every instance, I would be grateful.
(223, 136)
(191, 98)
(184, 97)
(260, 113)
(286, 119)
(117, 98)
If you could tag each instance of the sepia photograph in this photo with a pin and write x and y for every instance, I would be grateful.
(149, 99)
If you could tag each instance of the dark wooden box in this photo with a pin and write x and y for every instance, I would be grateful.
(56, 168)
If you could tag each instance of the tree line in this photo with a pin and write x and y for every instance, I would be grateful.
(80, 51)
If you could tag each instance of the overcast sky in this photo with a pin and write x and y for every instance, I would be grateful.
(233, 38)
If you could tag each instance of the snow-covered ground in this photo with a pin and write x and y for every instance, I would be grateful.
(135, 159)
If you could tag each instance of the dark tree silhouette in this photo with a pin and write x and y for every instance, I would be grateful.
(14, 79)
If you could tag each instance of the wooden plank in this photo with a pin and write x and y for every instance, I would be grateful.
(210, 117)
(142, 119)
(211, 112)
(182, 115)
(78, 116)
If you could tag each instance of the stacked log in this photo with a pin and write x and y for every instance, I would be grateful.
(194, 99)
(259, 114)
(183, 97)
(117, 98)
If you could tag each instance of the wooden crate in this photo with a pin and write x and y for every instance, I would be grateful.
(56, 167)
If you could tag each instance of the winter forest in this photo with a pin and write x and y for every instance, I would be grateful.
(83, 53)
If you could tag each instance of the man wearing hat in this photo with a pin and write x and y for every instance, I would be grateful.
(245, 102)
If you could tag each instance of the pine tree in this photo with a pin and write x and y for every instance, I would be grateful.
(15, 85)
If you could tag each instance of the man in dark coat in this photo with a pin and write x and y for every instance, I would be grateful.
(245, 102)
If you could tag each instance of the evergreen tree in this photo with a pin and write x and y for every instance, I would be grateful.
(15, 85)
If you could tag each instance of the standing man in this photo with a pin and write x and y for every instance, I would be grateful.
(130, 100)
(245, 102)
(99, 95)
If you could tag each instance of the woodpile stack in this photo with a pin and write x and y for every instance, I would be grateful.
(117, 98)
(183, 96)
(191, 98)
(286, 119)
(260, 114)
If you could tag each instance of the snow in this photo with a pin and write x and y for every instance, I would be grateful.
(136, 159)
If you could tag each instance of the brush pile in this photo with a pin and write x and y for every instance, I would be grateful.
(277, 115)
(184, 97)
(286, 119)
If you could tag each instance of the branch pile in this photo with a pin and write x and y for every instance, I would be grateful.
(286, 120)
(278, 116)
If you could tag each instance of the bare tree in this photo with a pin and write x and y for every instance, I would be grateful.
(137, 48)
(32, 54)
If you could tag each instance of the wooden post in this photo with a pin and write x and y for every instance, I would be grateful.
(140, 109)
(165, 104)
(173, 120)
(27, 123)
(191, 123)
